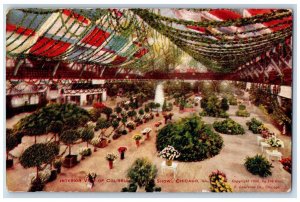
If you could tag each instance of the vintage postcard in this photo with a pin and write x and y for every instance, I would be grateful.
(149, 99)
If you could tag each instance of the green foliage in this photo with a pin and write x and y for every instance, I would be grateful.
(147, 109)
(258, 165)
(11, 140)
(242, 113)
(164, 107)
(37, 123)
(102, 124)
(107, 111)
(131, 113)
(95, 114)
(242, 107)
(212, 106)
(69, 136)
(193, 139)
(131, 188)
(118, 110)
(37, 154)
(228, 126)
(232, 100)
(53, 148)
(253, 125)
(141, 112)
(224, 104)
(152, 105)
(157, 105)
(55, 127)
(115, 124)
(87, 134)
(142, 172)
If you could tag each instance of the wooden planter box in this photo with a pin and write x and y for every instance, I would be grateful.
(70, 161)
(103, 143)
(9, 163)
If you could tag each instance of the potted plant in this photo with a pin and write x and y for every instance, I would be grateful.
(141, 112)
(218, 182)
(169, 153)
(107, 111)
(35, 156)
(137, 139)
(87, 134)
(274, 142)
(130, 125)
(287, 164)
(85, 151)
(57, 165)
(146, 132)
(11, 143)
(157, 106)
(69, 137)
(55, 127)
(122, 151)
(110, 158)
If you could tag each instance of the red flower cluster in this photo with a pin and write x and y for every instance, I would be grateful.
(122, 149)
(287, 164)
(98, 105)
(217, 174)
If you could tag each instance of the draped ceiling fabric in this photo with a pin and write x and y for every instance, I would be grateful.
(240, 44)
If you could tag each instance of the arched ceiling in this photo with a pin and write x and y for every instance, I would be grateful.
(240, 44)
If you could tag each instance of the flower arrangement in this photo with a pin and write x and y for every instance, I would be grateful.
(130, 125)
(147, 116)
(264, 131)
(287, 164)
(114, 115)
(274, 142)
(218, 182)
(169, 153)
(124, 114)
(137, 137)
(43, 176)
(84, 151)
(95, 141)
(111, 157)
(122, 149)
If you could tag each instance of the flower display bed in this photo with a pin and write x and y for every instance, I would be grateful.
(193, 139)
(254, 125)
(229, 127)
(258, 165)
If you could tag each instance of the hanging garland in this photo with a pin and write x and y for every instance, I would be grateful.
(262, 18)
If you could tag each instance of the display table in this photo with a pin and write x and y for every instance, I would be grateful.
(264, 145)
(173, 168)
(259, 139)
(273, 154)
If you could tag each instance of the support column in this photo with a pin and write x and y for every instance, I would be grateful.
(159, 95)
(82, 99)
(104, 95)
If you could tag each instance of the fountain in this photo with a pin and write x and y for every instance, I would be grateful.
(159, 95)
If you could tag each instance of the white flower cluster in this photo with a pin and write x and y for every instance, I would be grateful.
(84, 151)
(147, 116)
(169, 153)
(130, 123)
(274, 142)
(95, 141)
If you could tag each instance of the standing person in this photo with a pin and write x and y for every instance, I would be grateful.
(91, 180)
